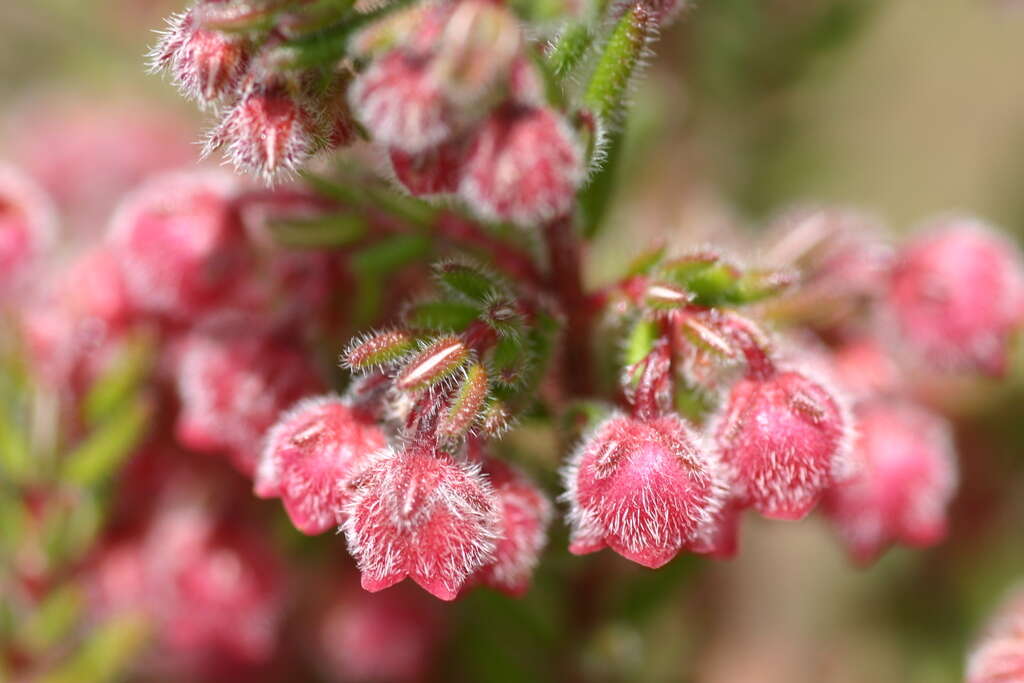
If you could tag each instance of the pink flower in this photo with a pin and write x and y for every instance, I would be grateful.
(269, 132)
(391, 636)
(28, 225)
(998, 657)
(524, 166)
(309, 457)
(401, 103)
(646, 489)
(957, 294)
(182, 248)
(525, 515)
(784, 439)
(232, 389)
(206, 65)
(907, 476)
(210, 589)
(423, 515)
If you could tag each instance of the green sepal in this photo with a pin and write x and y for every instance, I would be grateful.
(332, 230)
(640, 341)
(441, 316)
(467, 280)
(606, 91)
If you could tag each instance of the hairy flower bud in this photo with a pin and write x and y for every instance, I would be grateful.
(269, 132)
(524, 165)
(436, 363)
(525, 514)
(28, 224)
(644, 488)
(401, 104)
(785, 439)
(233, 389)
(309, 457)
(205, 64)
(906, 478)
(957, 294)
(181, 244)
(419, 514)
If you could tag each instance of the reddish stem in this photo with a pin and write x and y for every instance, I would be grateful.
(565, 280)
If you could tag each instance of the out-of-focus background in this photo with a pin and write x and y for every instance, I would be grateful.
(902, 108)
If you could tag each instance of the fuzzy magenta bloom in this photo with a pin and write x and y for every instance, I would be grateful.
(524, 166)
(400, 102)
(28, 225)
(232, 389)
(309, 457)
(525, 514)
(423, 515)
(865, 368)
(181, 244)
(785, 440)
(999, 655)
(957, 295)
(216, 590)
(434, 171)
(210, 589)
(390, 637)
(646, 489)
(269, 132)
(906, 478)
(205, 64)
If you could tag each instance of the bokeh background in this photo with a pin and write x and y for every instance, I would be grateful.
(902, 108)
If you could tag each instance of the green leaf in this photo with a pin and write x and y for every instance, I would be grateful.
(52, 619)
(103, 451)
(105, 656)
(389, 254)
(117, 384)
(16, 462)
(451, 316)
(334, 230)
(609, 83)
(470, 280)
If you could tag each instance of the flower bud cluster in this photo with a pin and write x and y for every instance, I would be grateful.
(451, 92)
(398, 462)
(272, 118)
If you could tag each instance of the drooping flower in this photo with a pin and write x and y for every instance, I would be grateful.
(423, 515)
(956, 294)
(525, 513)
(524, 165)
(644, 488)
(28, 225)
(907, 475)
(785, 440)
(391, 636)
(309, 456)
(233, 388)
(400, 102)
(998, 657)
(180, 243)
